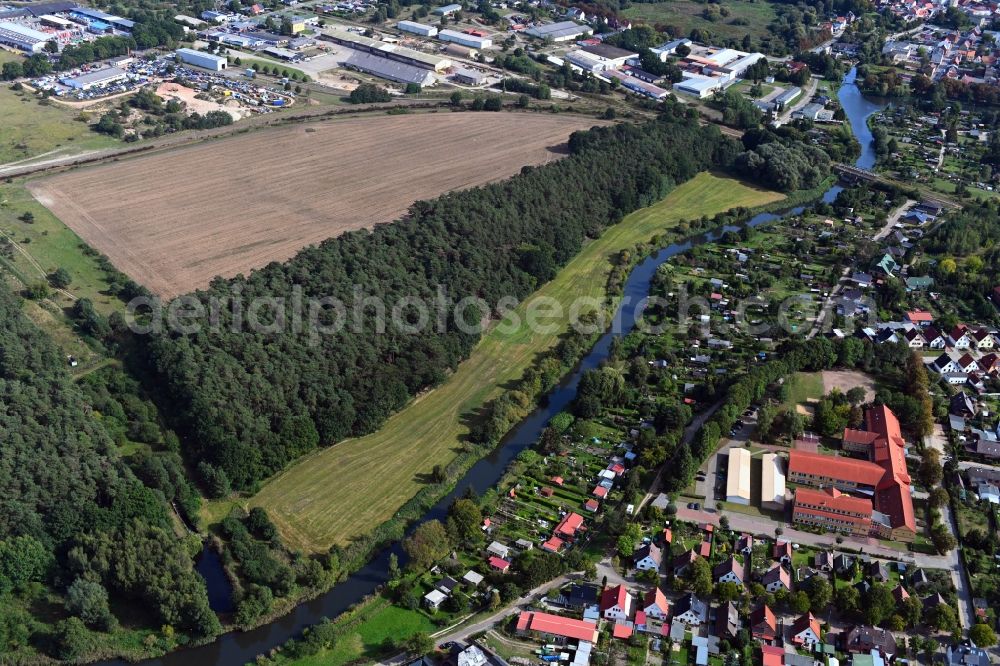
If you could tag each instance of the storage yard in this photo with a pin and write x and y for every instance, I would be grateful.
(176, 220)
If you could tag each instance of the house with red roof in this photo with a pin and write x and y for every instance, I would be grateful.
(558, 480)
(621, 631)
(591, 505)
(616, 603)
(655, 604)
(772, 656)
(555, 628)
(599, 492)
(553, 545)
(499, 564)
(805, 631)
(763, 624)
(918, 317)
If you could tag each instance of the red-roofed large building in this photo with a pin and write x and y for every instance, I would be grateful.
(886, 508)
(832, 510)
(816, 469)
(556, 627)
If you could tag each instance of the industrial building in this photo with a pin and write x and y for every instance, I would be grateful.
(738, 476)
(460, 51)
(699, 86)
(465, 39)
(586, 61)
(786, 98)
(421, 29)
(282, 54)
(772, 482)
(612, 56)
(56, 22)
(664, 51)
(391, 70)
(470, 77)
(91, 17)
(95, 79)
(390, 51)
(22, 38)
(447, 10)
(639, 86)
(199, 59)
(564, 31)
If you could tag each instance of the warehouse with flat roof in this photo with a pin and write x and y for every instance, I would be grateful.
(738, 476)
(466, 39)
(447, 9)
(200, 59)
(391, 70)
(96, 79)
(383, 50)
(564, 31)
(772, 482)
(415, 28)
(23, 38)
(699, 86)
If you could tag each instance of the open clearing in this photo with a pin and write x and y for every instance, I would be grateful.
(173, 221)
(745, 17)
(29, 129)
(845, 380)
(313, 511)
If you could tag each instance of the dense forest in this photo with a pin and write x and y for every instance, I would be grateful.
(253, 402)
(74, 518)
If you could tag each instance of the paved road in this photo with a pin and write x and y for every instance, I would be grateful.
(893, 219)
(805, 98)
(827, 305)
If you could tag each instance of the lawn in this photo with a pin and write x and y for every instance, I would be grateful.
(687, 15)
(803, 387)
(45, 245)
(30, 129)
(313, 511)
(379, 621)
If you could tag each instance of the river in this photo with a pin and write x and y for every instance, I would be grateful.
(242, 647)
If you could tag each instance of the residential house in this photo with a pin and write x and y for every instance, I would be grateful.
(499, 550)
(984, 340)
(499, 564)
(730, 571)
(648, 558)
(805, 631)
(960, 337)
(691, 610)
(918, 318)
(556, 628)
(776, 578)
(472, 578)
(865, 639)
(447, 585)
(945, 364)
(934, 338)
(744, 544)
(434, 599)
(843, 563)
(919, 579)
(877, 570)
(967, 654)
(763, 624)
(682, 563)
(582, 595)
(616, 603)
(655, 604)
(772, 655)
(963, 404)
(783, 552)
(727, 621)
(900, 594)
(823, 561)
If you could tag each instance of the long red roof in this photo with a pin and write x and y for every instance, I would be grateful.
(557, 625)
(833, 500)
(889, 451)
(860, 472)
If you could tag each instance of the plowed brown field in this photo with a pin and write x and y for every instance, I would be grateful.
(175, 220)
